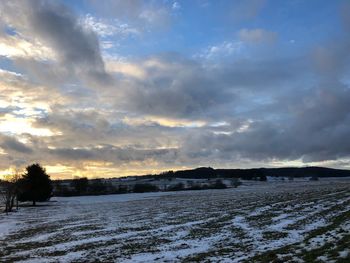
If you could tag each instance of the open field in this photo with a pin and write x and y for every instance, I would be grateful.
(263, 222)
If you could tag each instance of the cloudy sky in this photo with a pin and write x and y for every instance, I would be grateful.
(112, 88)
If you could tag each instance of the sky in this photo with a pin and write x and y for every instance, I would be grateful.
(114, 88)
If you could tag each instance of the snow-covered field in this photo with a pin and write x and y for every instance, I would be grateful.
(297, 221)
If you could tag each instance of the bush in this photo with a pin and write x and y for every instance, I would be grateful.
(143, 188)
(195, 187)
(60, 189)
(122, 189)
(235, 183)
(97, 187)
(314, 178)
(219, 184)
(176, 187)
(80, 185)
(263, 178)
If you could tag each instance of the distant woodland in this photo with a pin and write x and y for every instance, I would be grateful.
(254, 173)
(195, 179)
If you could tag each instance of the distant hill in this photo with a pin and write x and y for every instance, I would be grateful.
(255, 173)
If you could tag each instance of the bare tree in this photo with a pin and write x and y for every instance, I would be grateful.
(9, 191)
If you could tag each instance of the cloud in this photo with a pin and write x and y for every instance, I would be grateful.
(105, 28)
(175, 87)
(15, 47)
(221, 51)
(257, 36)
(142, 15)
(126, 68)
(110, 153)
(332, 60)
(80, 128)
(13, 145)
(18, 92)
(232, 104)
(8, 109)
(76, 48)
(311, 128)
(176, 6)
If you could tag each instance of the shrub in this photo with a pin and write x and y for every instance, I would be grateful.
(235, 183)
(219, 184)
(143, 188)
(176, 187)
(314, 178)
(80, 185)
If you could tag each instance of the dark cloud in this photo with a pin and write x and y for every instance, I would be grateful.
(315, 128)
(13, 145)
(182, 88)
(110, 153)
(75, 47)
(333, 59)
(57, 26)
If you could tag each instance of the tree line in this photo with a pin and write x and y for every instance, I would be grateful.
(81, 186)
(211, 173)
(259, 174)
(33, 185)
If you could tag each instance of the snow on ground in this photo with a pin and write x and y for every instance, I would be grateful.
(293, 221)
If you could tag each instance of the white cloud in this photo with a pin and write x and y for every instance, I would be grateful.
(12, 124)
(221, 50)
(143, 15)
(158, 18)
(176, 6)
(105, 28)
(126, 68)
(107, 44)
(18, 47)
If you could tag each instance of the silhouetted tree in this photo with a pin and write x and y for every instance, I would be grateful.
(80, 185)
(97, 186)
(35, 185)
(61, 189)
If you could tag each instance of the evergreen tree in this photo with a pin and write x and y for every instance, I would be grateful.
(35, 185)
